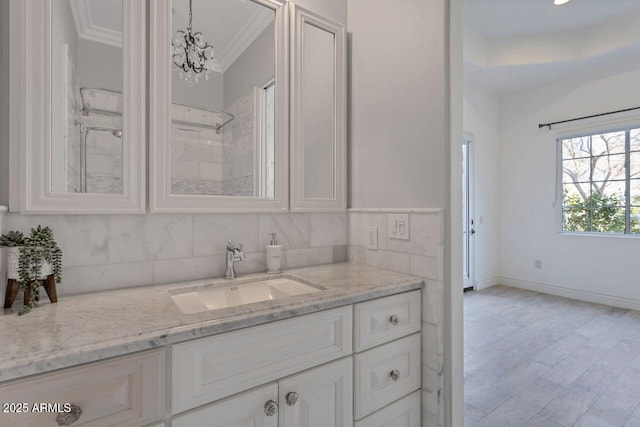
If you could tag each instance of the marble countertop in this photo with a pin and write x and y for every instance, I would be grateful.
(88, 327)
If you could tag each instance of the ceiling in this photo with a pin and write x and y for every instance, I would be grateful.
(510, 45)
(229, 25)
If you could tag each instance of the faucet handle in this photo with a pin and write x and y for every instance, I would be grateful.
(241, 247)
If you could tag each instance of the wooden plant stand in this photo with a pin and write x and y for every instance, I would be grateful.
(13, 287)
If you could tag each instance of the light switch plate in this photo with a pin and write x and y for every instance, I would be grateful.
(372, 238)
(398, 226)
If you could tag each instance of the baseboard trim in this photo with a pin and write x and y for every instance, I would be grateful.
(396, 210)
(594, 297)
(487, 283)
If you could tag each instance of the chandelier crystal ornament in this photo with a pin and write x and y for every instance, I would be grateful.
(191, 55)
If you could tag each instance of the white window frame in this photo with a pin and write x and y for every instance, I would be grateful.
(601, 127)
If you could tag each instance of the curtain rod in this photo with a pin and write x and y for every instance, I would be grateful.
(541, 125)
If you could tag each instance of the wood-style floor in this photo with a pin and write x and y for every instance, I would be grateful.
(538, 360)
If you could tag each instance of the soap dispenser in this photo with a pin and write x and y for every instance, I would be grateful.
(274, 255)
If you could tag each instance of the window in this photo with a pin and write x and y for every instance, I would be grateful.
(601, 182)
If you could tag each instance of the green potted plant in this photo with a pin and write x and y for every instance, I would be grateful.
(31, 259)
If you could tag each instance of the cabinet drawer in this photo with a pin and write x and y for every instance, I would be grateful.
(243, 410)
(127, 391)
(386, 319)
(403, 413)
(211, 368)
(386, 373)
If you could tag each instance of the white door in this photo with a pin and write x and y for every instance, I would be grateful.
(320, 397)
(468, 222)
(254, 408)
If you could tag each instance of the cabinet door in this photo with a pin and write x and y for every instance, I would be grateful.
(320, 397)
(318, 113)
(248, 409)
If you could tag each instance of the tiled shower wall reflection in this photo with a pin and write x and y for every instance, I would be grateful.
(102, 252)
(422, 256)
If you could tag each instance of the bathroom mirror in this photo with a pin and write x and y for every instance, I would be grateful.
(78, 71)
(86, 96)
(318, 148)
(218, 109)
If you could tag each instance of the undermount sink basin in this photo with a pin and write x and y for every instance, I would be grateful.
(214, 297)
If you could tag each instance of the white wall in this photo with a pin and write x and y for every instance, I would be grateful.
(481, 119)
(398, 103)
(99, 65)
(590, 267)
(254, 67)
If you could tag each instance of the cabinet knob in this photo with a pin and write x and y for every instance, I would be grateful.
(291, 398)
(395, 374)
(394, 319)
(68, 418)
(270, 408)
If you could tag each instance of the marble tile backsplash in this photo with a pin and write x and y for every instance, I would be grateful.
(104, 252)
(422, 255)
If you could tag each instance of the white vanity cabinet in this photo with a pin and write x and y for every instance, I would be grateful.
(387, 362)
(319, 397)
(125, 391)
(297, 372)
(301, 370)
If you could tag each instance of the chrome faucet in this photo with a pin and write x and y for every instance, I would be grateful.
(233, 254)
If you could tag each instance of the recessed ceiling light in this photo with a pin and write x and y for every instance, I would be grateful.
(559, 2)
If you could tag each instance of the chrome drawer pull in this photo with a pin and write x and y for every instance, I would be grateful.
(68, 418)
(394, 319)
(395, 374)
(291, 398)
(270, 408)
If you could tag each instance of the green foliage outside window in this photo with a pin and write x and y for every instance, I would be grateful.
(597, 213)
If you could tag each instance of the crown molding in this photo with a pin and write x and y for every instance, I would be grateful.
(246, 35)
(88, 30)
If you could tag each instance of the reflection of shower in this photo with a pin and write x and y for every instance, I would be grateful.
(84, 136)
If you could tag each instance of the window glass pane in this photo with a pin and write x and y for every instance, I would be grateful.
(635, 220)
(607, 219)
(635, 140)
(608, 167)
(576, 170)
(575, 147)
(635, 192)
(608, 143)
(608, 193)
(634, 165)
(576, 219)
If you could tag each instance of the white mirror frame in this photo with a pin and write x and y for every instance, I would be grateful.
(30, 115)
(160, 197)
(300, 203)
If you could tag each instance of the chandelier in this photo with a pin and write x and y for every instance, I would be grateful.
(191, 54)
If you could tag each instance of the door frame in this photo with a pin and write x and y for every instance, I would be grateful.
(470, 282)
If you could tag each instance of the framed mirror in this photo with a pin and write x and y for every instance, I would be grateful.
(219, 111)
(78, 72)
(318, 113)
